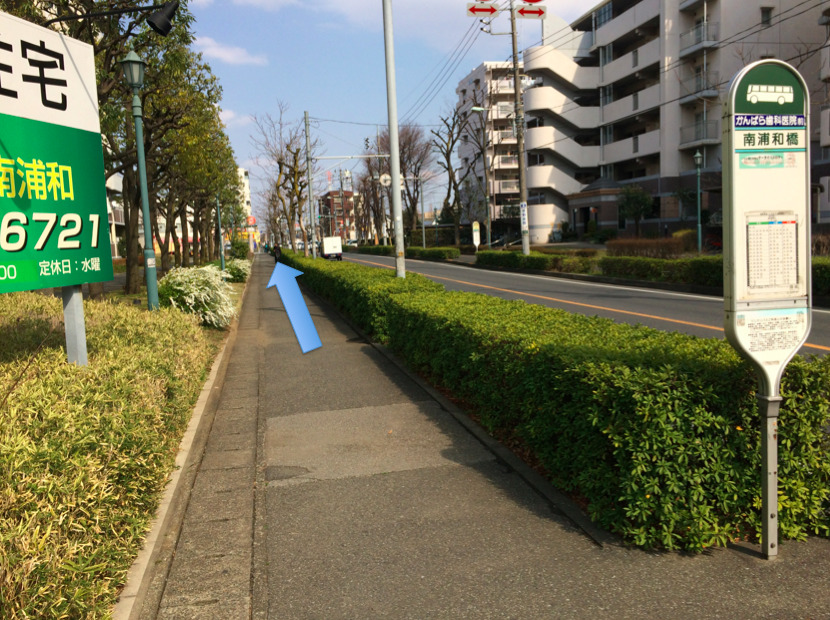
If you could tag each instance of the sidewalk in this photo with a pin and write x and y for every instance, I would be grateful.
(336, 485)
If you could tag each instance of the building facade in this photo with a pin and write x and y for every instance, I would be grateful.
(630, 92)
(486, 101)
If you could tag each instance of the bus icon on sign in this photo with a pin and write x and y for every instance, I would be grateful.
(761, 92)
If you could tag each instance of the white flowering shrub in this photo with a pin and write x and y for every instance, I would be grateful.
(201, 291)
(237, 270)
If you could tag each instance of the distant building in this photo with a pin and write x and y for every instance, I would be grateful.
(629, 92)
(490, 88)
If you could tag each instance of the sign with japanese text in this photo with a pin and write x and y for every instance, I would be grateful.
(766, 216)
(54, 228)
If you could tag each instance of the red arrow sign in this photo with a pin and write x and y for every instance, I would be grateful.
(478, 8)
(531, 12)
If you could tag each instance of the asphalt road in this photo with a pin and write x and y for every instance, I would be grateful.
(698, 315)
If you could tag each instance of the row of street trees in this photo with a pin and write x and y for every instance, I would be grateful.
(425, 156)
(190, 162)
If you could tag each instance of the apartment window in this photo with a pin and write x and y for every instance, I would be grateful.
(606, 95)
(635, 144)
(635, 101)
(606, 54)
(766, 16)
(606, 134)
(603, 14)
(635, 58)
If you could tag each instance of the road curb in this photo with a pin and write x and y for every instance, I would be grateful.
(148, 574)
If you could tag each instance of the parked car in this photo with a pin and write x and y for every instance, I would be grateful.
(351, 242)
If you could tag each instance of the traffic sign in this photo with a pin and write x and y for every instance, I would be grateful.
(478, 9)
(538, 12)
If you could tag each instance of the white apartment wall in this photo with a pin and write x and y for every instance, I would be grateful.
(784, 39)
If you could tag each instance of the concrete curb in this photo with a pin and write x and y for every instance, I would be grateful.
(558, 500)
(148, 573)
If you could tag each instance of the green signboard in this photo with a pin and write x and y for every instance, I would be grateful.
(54, 229)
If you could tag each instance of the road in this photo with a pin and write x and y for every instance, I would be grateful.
(698, 315)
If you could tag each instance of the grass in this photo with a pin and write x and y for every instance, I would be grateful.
(85, 452)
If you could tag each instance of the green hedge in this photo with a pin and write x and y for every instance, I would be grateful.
(658, 432)
(541, 261)
(379, 250)
(359, 291)
(85, 452)
(444, 253)
(703, 270)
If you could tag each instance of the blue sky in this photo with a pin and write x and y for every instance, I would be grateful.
(327, 57)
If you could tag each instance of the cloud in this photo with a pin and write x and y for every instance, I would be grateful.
(230, 54)
(232, 119)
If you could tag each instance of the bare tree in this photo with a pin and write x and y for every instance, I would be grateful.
(445, 142)
(281, 145)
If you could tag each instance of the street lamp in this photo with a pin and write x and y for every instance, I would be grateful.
(134, 74)
(159, 21)
(482, 112)
(698, 161)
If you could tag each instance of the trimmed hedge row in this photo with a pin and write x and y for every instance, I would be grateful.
(564, 263)
(378, 250)
(445, 253)
(85, 452)
(699, 270)
(658, 432)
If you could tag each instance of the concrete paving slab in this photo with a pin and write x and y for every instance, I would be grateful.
(366, 441)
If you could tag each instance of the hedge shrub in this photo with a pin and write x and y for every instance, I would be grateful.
(445, 253)
(378, 250)
(658, 432)
(85, 452)
(237, 270)
(198, 290)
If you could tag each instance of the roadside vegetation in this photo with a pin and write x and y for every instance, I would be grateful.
(656, 434)
(85, 452)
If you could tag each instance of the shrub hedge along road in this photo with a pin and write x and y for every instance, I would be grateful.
(658, 432)
(85, 452)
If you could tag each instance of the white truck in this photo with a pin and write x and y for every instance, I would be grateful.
(332, 248)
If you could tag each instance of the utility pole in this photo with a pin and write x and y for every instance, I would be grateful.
(394, 147)
(310, 189)
(520, 135)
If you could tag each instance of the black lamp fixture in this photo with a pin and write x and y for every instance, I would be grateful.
(159, 21)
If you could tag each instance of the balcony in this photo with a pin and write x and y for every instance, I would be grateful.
(645, 99)
(699, 87)
(629, 21)
(824, 129)
(700, 134)
(824, 71)
(548, 99)
(502, 111)
(507, 187)
(501, 86)
(507, 161)
(117, 215)
(644, 56)
(505, 137)
(550, 139)
(703, 36)
(551, 177)
(546, 59)
(629, 148)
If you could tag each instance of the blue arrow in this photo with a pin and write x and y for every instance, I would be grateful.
(285, 279)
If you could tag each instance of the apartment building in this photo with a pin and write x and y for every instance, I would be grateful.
(821, 156)
(486, 99)
(633, 89)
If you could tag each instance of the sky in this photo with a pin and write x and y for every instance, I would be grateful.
(327, 57)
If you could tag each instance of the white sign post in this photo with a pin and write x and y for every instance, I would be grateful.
(476, 235)
(766, 220)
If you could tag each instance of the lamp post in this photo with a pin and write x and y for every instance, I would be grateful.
(698, 161)
(481, 113)
(134, 74)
